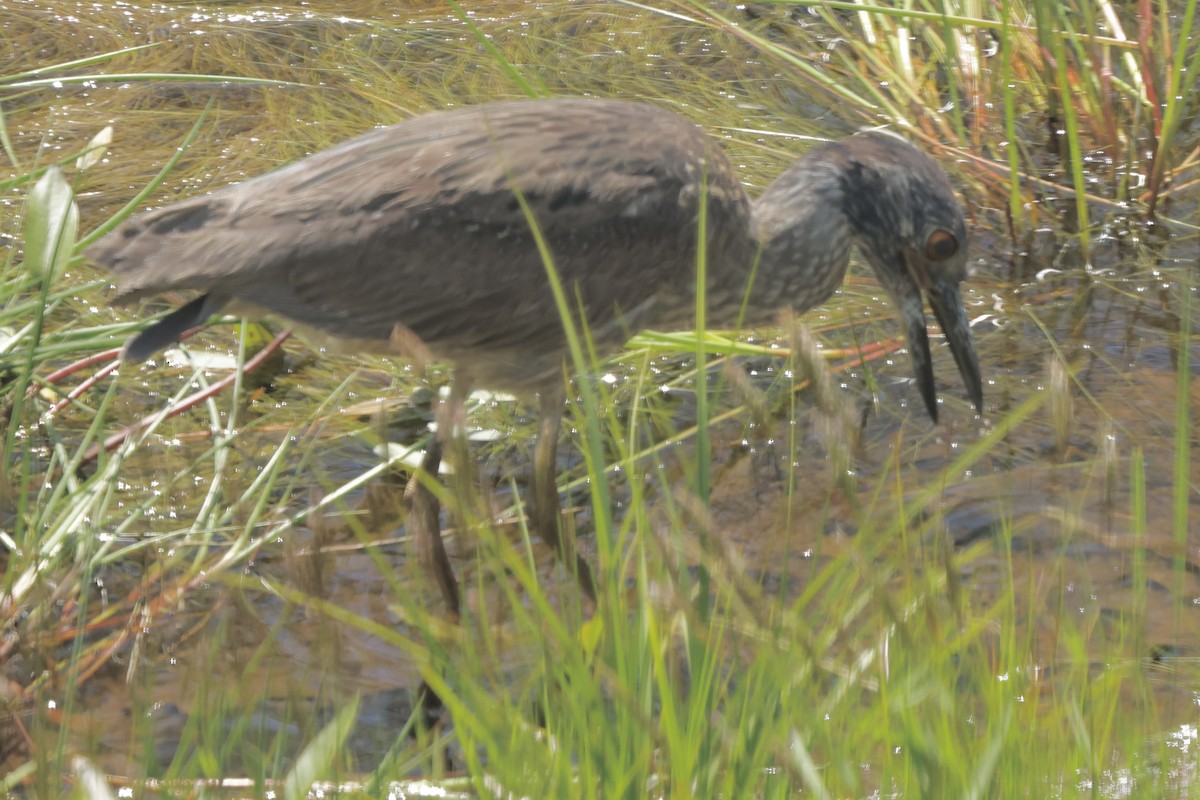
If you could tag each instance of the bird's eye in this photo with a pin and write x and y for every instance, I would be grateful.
(940, 245)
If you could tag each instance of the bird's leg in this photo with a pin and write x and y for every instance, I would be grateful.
(424, 517)
(547, 513)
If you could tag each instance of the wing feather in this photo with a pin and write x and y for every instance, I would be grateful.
(420, 224)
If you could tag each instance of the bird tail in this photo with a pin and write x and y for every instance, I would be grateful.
(167, 330)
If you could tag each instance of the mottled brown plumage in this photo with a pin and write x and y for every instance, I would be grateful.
(415, 233)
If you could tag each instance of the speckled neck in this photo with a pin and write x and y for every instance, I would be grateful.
(805, 238)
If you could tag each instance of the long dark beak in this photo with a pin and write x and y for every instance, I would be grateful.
(946, 302)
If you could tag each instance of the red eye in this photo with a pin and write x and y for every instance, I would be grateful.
(940, 245)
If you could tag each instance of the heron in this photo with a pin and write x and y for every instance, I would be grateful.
(426, 238)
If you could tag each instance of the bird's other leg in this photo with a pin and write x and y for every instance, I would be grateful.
(547, 513)
(425, 515)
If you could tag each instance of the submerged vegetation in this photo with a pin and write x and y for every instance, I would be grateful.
(806, 587)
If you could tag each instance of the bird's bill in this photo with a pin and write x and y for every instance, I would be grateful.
(946, 302)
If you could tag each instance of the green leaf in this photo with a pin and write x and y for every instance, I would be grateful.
(319, 755)
(51, 223)
(97, 147)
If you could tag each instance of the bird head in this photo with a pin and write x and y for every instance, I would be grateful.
(909, 226)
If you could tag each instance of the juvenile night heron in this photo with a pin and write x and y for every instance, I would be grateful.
(418, 238)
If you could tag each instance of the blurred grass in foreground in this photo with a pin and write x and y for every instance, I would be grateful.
(887, 661)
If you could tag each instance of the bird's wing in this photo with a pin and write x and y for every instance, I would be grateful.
(422, 223)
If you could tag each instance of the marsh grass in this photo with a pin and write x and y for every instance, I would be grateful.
(893, 660)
